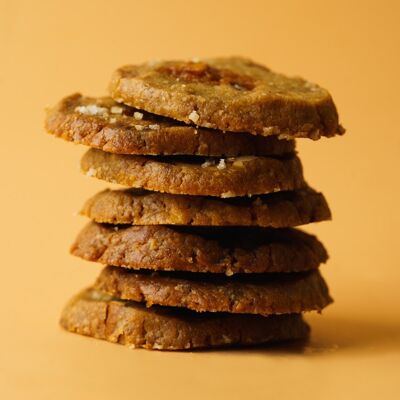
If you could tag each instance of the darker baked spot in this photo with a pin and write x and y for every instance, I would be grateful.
(200, 72)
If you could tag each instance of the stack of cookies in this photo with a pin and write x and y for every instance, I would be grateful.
(200, 249)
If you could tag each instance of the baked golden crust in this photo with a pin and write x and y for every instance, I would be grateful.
(245, 294)
(230, 94)
(139, 207)
(104, 124)
(94, 314)
(240, 176)
(216, 250)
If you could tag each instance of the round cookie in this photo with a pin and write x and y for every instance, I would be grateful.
(231, 177)
(94, 314)
(217, 250)
(104, 124)
(139, 207)
(231, 94)
(245, 294)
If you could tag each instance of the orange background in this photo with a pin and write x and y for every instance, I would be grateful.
(51, 48)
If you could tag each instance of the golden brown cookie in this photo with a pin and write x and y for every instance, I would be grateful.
(230, 94)
(199, 249)
(94, 314)
(139, 207)
(231, 177)
(245, 294)
(106, 125)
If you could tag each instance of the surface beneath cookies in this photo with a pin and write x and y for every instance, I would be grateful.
(355, 345)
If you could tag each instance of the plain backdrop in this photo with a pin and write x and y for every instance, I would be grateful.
(50, 49)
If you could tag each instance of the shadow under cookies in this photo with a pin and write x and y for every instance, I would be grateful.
(337, 335)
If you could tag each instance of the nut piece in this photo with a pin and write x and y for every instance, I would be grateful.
(194, 116)
(91, 109)
(91, 172)
(221, 164)
(116, 110)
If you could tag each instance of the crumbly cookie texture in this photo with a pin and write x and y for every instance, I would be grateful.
(139, 207)
(230, 94)
(238, 176)
(217, 250)
(92, 313)
(248, 294)
(104, 124)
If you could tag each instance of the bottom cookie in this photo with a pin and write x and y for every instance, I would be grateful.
(98, 315)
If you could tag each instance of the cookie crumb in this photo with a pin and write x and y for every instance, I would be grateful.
(312, 87)
(139, 127)
(208, 163)
(270, 130)
(226, 195)
(238, 162)
(152, 63)
(116, 110)
(137, 115)
(91, 109)
(238, 87)
(155, 127)
(194, 116)
(221, 164)
(100, 296)
(226, 339)
(91, 172)
(315, 134)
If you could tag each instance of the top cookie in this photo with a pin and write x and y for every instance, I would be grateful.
(231, 94)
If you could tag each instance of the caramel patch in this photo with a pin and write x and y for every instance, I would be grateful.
(203, 73)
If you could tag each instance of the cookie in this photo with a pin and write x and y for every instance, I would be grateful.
(106, 125)
(217, 250)
(94, 314)
(230, 177)
(230, 94)
(139, 207)
(249, 294)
